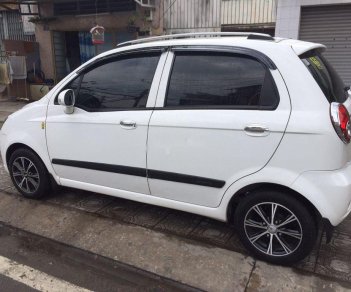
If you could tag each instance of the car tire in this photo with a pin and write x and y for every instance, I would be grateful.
(29, 174)
(286, 239)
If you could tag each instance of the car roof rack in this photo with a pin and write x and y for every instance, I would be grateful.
(249, 35)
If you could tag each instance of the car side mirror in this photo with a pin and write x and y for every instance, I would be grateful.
(67, 99)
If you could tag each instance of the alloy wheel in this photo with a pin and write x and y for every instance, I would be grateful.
(273, 229)
(25, 174)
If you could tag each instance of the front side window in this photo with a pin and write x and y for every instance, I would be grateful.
(118, 84)
(214, 80)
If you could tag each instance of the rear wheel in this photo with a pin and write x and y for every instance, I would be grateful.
(28, 173)
(275, 227)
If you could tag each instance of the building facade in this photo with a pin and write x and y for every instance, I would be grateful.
(63, 29)
(12, 26)
(322, 21)
(219, 15)
(17, 39)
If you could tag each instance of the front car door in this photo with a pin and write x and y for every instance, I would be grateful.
(103, 143)
(219, 116)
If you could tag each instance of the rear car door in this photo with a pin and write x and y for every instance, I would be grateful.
(104, 141)
(219, 116)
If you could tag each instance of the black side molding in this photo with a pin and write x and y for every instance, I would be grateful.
(184, 178)
(137, 171)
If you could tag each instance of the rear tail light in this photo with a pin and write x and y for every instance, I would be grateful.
(341, 121)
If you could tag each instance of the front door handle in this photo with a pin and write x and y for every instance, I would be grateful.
(127, 124)
(256, 130)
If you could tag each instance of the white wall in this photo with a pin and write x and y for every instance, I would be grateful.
(288, 15)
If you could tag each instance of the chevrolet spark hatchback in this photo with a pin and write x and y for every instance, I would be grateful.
(247, 129)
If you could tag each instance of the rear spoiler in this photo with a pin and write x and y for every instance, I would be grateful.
(301, 48)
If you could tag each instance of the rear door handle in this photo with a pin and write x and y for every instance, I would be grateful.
(127, 124)
(256, 130)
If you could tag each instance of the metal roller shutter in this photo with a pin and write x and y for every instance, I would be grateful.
(331, 26)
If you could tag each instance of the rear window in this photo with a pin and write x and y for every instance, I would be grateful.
(327, 78)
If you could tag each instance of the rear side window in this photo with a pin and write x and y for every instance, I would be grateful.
(211, 80)
(327, 78)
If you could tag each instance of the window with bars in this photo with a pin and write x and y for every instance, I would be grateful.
(88, 6)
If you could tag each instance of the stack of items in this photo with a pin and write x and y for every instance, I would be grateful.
(5, 72)
(19, 68)
(12, 68)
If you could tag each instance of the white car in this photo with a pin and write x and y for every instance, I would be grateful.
(242, 128)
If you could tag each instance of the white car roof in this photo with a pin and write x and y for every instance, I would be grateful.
(245, 40)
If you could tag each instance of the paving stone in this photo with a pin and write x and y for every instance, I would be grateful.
(93, 203)
(179, 223)
(213, 231)
(3, 172)
(334, 259)
(345, 226)
(235, 244)
(5, 180)
(5, 184)
(339, 244)
(334, 265)
(149, 216)
(12, 191)
(270, 278)
(120, 209)
(67, 197)
(309, 263)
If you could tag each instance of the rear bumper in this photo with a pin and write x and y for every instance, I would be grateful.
(328, 191)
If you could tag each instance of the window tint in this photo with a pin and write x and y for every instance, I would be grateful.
(327, 78)
(220, 80)
(74, 85)
(118, 84)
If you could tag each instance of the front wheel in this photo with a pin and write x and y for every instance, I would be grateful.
(275, 227)
(28, 173)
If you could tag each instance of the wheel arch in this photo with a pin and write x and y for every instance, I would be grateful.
(247, 190)
(13, 147)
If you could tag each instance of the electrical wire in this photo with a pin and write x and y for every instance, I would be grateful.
(170, 6)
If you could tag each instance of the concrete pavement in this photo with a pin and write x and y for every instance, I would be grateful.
(198, 265)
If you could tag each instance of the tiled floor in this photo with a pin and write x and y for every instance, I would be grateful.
(331, 260)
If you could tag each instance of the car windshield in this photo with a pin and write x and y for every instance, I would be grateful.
(327, 78)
